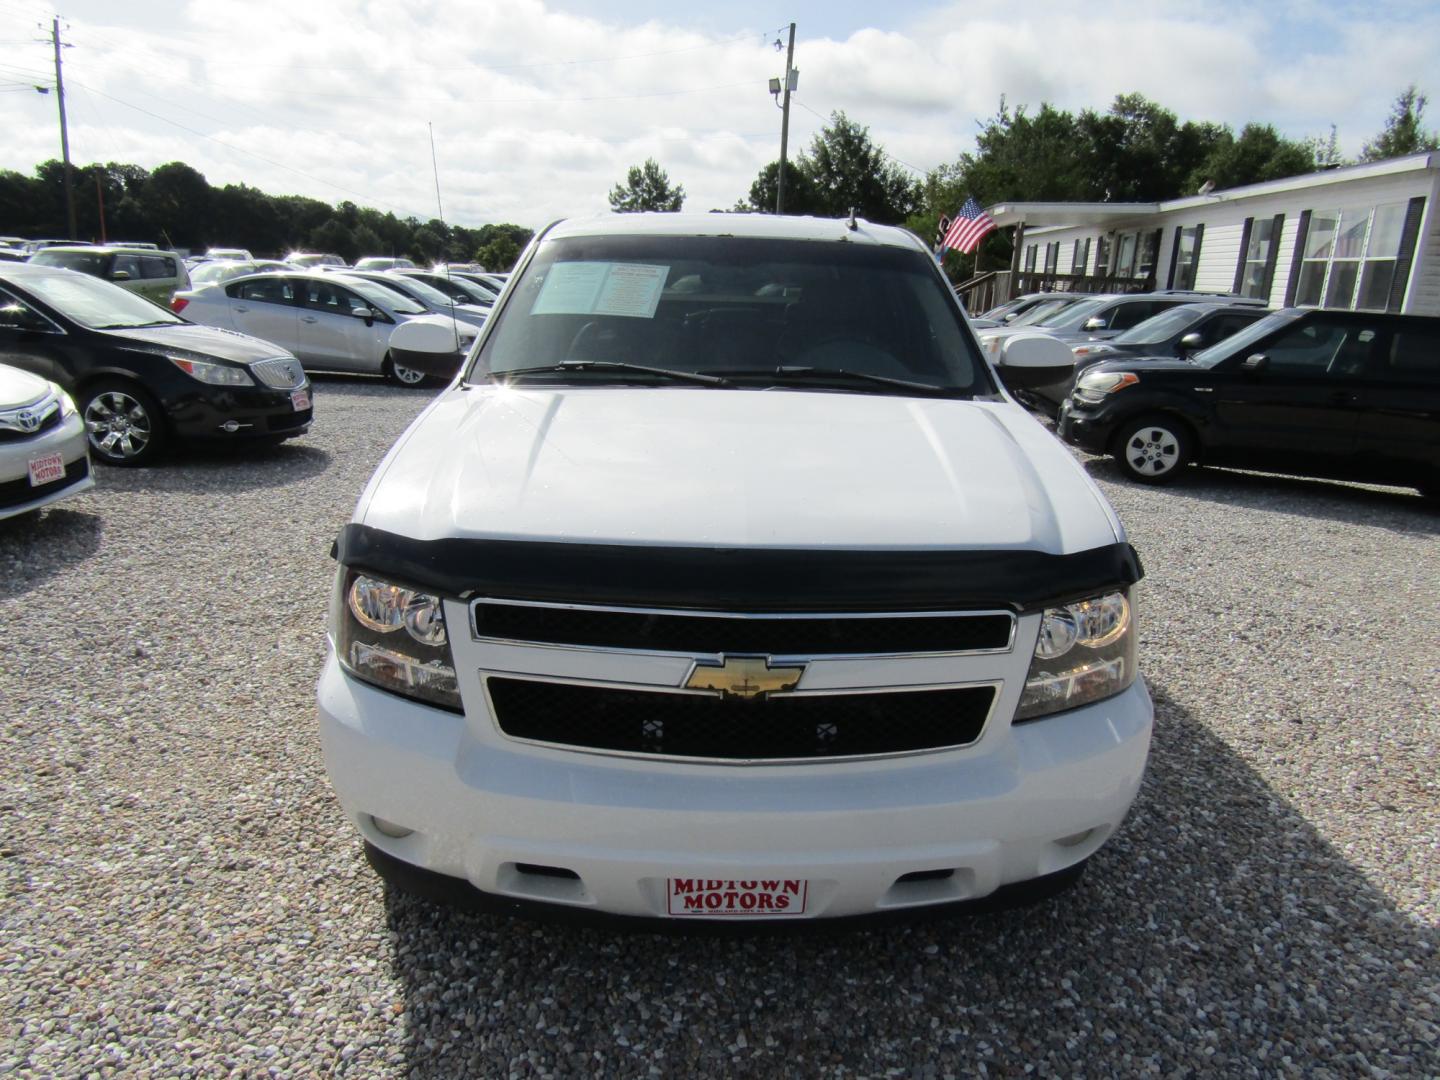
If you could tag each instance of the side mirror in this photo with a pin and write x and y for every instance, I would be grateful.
(1191, 341)
(1009, 316)
(368, 314)
(119, 275)
(14, 317)
(1255, 363)
(1095, 322)
(434, 344)
(1028, 361)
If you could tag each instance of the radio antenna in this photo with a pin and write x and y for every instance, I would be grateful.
(440, 209)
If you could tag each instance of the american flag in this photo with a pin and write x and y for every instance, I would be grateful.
(969, 227)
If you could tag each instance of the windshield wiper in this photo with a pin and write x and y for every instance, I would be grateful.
(805, 371)
(611, 365)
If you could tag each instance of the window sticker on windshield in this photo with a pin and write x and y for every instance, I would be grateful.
(601, 288)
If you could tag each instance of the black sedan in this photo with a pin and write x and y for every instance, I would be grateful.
(1344, 394)
(140, 375)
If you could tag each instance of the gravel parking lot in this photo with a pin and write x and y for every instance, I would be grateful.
(182, 897)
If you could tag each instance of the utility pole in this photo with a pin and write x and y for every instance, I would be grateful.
(785, 123)
(64, 132)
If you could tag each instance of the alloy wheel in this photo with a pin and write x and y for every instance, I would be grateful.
(119, 426)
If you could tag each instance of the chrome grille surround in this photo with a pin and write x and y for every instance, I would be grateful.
(281, 373)
(29, 419)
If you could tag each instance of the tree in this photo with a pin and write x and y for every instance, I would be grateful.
(800, 194)
(849, 172)
(646, 187)
(1260, 153)
(1403, 132)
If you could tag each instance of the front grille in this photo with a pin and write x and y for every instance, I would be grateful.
(12, 430)
(709, 634)
(783, 727)
(281, 373)
(15, 492)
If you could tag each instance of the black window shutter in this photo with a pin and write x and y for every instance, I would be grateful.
(1244, 247)
(1276, 227)
(1409, 233)
(1174, 257)
(1155, 257)
(1294, 281)
(1195, 252)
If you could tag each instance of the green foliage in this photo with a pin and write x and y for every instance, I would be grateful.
(646, 187)
(1404, 131)
(843, 170)
(176, 206)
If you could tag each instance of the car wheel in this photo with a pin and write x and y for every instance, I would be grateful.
(123, 422)
(1152, 449)
(405, 376)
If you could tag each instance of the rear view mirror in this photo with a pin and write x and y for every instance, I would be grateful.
(1031, 360)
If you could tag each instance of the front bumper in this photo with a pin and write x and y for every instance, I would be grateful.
(1023, 803)
(1089, 427)
(233, 413)
(17, 495)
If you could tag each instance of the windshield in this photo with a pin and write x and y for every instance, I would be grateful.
(389, 297)
(744, 308)
(1043, 311)
(97, 304)
(221, 270)
(421, 290)
(94, 263)
(1074, 316)
(1242, 339)
(1162, 327)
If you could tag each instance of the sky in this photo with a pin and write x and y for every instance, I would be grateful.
(539, 107)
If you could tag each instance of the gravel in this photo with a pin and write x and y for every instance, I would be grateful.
(180, 896)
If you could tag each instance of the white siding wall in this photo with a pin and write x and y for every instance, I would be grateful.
(1219, 254)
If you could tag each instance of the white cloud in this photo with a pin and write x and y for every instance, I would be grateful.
(537, 113)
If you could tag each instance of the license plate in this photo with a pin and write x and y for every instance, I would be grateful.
(46, 470)
(300, 399)
(764, 897)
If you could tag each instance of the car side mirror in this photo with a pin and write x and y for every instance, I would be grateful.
(119, 275)
(14, 317)
(1028, 361)
(1095, 322)
(368, 314)
(1009, 316)
(1191, 341)
(1255, 363)
(432, 344)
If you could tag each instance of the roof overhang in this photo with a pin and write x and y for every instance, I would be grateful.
(1068, 213)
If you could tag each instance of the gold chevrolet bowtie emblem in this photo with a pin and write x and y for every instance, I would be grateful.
(743, 677)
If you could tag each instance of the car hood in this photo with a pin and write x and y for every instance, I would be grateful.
(735, 468)
(18, 388)
(209, 340)
(1148, 363)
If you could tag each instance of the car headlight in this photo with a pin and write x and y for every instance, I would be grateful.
(67, 405)
(214, 374)
(1106, 382)
(394, 637)
(1085, 652)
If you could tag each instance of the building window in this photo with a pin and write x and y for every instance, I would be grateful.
(1102, 257)
(1147, 253)
(1030, 258)
(1125, 256)
(1257, 259)
(1080, 257)
(1349, 257)
(1052, 257)
(1187, 257)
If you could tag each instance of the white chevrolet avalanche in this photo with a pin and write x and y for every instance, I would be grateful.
(726, 582)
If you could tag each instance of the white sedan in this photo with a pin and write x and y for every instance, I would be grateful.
(43, 451)
(330, 323)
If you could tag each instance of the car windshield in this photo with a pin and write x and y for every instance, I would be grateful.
(1073, 317)
(1044, 312)
(465, 292)
(221, 270)
(97, 304)
(387, 296)
(94, 263)
(1162, 327)
(419, 290)
(754, 311)
(1242, 339)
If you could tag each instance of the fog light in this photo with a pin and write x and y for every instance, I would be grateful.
(389, 828)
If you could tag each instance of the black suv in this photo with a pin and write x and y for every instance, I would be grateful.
(1343, 394)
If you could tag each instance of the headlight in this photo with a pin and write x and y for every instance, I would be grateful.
(1106, 382)
(67, 406)
(214, 374)
(394, 638)
(1085, 652)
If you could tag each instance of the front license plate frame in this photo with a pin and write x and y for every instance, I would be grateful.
(46, 469)
(736, 898)
(300, 399)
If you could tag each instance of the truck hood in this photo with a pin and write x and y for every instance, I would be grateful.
(735, 468)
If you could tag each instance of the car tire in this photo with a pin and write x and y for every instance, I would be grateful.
(123, 423)
(1152, 449)
(405, 376)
